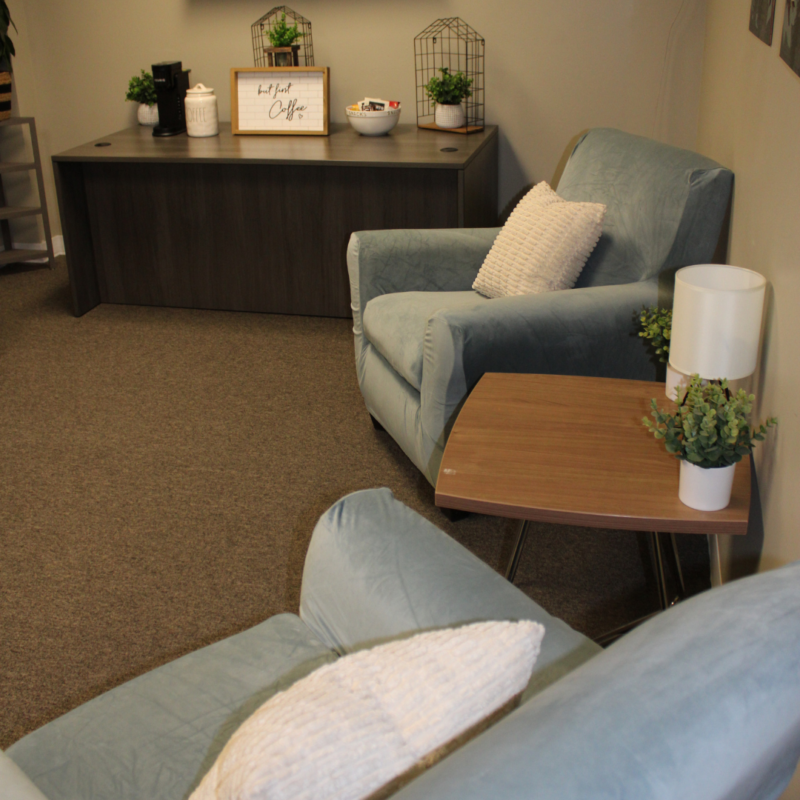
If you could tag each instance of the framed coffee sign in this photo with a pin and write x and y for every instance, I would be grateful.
(280, 100)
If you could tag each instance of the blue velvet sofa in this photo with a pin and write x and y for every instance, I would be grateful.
(699, 703)
(423, 338)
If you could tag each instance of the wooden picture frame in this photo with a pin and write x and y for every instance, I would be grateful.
(280, 101)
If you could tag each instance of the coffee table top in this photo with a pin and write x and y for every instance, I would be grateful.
(573, 450)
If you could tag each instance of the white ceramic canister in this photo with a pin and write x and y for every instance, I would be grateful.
(202, 117)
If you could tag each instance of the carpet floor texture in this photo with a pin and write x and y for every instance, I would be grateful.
(163, 469)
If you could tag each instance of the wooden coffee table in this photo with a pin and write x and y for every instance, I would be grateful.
(573, 450)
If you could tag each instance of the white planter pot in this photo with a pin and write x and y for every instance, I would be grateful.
(147, 115)
(705, 489)
(450, 116)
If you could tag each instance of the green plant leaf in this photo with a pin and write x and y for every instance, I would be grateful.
(710, 426)
(449, 89)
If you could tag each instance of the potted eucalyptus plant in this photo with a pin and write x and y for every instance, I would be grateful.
(656, 324)
(6, 51)
(656, 328)
(283, 52)
(142, 90)
(448, 92)
(709, 433)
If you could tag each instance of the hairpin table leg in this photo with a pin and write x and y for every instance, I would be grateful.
(513, 564)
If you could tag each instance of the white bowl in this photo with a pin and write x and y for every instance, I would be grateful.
(373, 123)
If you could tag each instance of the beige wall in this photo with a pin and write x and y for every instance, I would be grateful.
(552, 69)
(749, 121)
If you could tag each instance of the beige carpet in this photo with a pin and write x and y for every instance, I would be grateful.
(162, 471)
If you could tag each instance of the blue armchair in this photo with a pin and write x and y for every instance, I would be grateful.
(423, 338)
(700, 703)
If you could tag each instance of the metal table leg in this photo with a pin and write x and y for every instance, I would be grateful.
(678, 569)
(715, 558)
(513, 564)
(661, 584)
(661, 581)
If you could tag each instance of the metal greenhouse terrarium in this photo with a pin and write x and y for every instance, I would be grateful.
(269, 51)
(444, 49)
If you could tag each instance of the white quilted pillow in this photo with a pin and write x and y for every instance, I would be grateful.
(542, 247)
(370, 718)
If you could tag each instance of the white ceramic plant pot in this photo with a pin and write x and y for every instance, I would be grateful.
(147, 115)
(705, 489)
(449, 116)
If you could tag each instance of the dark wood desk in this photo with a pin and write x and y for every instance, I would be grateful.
(256, 223)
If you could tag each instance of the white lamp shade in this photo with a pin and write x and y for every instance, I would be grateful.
(716, 321)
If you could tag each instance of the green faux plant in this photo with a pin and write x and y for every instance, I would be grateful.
(710, 428)
(142, 89)
(449, 90)
(281, 35)
(657, 328)
(6, 45)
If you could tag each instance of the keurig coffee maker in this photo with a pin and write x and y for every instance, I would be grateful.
(171, 83)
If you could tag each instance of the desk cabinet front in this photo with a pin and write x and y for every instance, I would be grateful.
(248, 237)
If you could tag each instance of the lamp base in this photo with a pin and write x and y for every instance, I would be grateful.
(675, 379)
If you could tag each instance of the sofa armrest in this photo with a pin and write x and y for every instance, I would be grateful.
(700, 703)
(590, 331)
(376, 570)
(14, 783)
(382, 262)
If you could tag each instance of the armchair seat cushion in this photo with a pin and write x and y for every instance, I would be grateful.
(395, 324)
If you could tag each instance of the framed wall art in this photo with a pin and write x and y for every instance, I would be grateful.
(790, 35)
(762, 19)
(280, 100)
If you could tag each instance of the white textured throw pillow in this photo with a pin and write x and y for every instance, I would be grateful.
(353, 726)
(542, 247)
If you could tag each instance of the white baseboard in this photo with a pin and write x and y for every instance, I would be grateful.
(58, 248)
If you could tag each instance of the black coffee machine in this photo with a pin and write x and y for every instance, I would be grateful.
(171, 82)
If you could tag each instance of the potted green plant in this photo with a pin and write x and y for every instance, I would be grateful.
(447, 92)
(6, 51)
(709, 433)
(284, 52)
(142, 90)
(656, 324)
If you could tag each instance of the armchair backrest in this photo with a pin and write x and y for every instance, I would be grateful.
(665, 205)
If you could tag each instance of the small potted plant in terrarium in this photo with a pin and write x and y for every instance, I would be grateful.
(709, 433)
(283, 52)
(447, 93)
(142, 90)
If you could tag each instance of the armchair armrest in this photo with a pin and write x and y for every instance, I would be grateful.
(14, 783)
(382, 262)
(589, 331)
(375, 570)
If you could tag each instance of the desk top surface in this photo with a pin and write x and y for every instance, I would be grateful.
(573, 450)
(405, 146)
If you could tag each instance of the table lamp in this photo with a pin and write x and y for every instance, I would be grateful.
(716, 323)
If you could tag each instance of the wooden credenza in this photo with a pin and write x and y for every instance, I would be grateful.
(250, 223)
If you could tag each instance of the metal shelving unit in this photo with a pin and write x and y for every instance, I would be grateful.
(10, 255)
